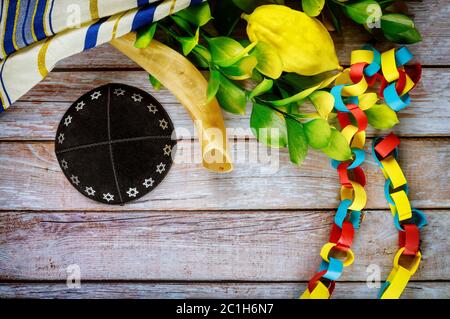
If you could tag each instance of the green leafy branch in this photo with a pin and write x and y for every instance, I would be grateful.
(241, 72)
(387, 16)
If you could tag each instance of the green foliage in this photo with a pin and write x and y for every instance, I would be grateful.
(302, 95)
(338, 147)
(268, 125)
(318, 133)
(373, 14)
(297, 141)
(264, 86)
(154, 82)
(381, 116)
(213, 85)
(301, 82)
(399, 28)
(188, 43)
(182, 24)
(276, 118)
(242, 69)
(227, 51)
(203, 54)
(145, 36)
(396, 27)
(198, 15)
(313, 7)
(231, 97)
(269, 61)
(360, 11)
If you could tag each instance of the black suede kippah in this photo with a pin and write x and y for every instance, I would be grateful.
(114, 144)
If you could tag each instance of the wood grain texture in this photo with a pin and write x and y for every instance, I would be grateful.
(430, 17)
(198, 235)
(241, 290)
(197, 246)
(31, 179)
(37, 115)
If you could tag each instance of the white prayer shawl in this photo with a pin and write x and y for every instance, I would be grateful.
(36, 34)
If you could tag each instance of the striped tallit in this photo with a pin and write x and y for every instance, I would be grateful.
(36, 34)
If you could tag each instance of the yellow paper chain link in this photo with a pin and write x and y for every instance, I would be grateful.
(396, 193)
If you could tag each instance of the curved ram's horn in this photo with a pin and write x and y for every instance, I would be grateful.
(183, 79)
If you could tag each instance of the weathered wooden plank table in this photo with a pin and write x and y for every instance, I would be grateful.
(250, 233)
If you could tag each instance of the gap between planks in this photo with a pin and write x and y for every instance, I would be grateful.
(241, 290)
(222, 246)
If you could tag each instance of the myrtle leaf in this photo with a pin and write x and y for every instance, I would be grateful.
(305, 93)
(399, 28)
(154, 82)
(213, 85)
(203, 54)
(313, 7)
(241, 70)
(145, 36)
(231, 97)
(301, 82)
(188, 43)
(361, 12)
(183, 24)
(381, 116)
(297, 141)
(262, 87)
(318, 133)
(338, 148)
(198, 15)
(268, 125)
(227, 51)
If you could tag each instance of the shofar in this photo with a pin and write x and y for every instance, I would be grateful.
(186, 82)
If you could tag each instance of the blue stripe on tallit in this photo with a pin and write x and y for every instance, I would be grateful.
(25, 24)
(50, 19)
(141, 3)
(1, 17)
(20, 24)
(1, 80)
(39, 20)
(92, 34)
(143, 17)
(9, 29)
(27, 33)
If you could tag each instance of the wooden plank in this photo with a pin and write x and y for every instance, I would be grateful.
(37, 115)
(241, 290)
(430, 17)
(197, 246)
(31, 179)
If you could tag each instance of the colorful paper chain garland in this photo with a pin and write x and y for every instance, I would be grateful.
(351, 99)
(407, 220)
